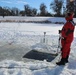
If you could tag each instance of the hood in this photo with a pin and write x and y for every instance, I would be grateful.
(69, 18)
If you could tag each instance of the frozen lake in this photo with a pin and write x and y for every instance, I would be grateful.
(16, 39)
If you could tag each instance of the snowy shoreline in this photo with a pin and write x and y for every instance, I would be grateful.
(25, 19)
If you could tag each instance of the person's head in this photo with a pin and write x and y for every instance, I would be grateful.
(69, 16)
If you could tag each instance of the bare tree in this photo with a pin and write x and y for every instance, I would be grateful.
(22, 13)
(70, 6)
(15, 11)
(43, 10)
(34, 12)
(57, 6)
(27, 9)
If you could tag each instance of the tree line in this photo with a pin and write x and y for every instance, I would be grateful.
(57, 6)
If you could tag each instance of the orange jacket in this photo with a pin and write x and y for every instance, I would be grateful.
(68, 28)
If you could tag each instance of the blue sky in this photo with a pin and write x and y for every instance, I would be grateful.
(20, 3)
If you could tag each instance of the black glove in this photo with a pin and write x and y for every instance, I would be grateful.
(60, 31)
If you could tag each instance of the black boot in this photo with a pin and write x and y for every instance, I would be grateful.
(66, 59)
(62, 62)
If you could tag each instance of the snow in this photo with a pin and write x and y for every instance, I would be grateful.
(18, 38)
(36, 68)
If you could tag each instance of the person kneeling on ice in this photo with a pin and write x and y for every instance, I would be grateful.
(67, 34)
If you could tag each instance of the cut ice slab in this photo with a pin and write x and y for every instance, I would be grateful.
(36, 55)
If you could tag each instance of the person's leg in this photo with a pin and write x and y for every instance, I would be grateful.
(66, 50)
(65, 53)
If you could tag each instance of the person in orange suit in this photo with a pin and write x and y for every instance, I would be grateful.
(67, 36)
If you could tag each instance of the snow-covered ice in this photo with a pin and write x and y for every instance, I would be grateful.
(17, 38)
